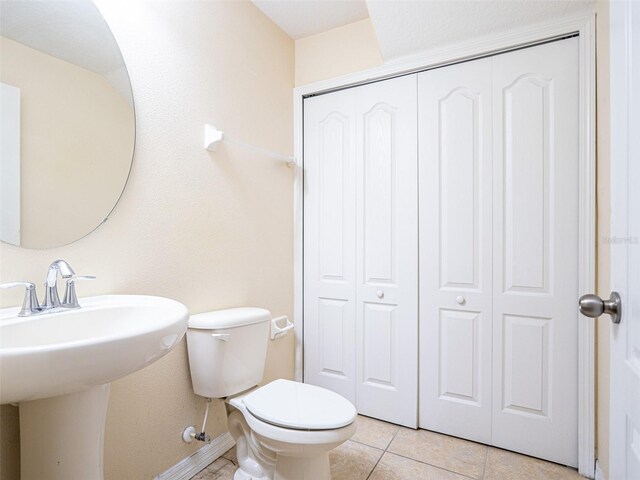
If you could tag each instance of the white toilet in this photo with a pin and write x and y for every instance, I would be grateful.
(283, 430)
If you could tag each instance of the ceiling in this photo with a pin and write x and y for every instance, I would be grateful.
(407, 27)
(301, 18)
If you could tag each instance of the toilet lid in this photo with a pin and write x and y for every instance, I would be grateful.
(300, 406)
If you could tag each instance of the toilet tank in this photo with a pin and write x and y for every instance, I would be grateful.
(227, 350)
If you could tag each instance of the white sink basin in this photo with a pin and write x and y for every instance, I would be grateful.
(108, 338)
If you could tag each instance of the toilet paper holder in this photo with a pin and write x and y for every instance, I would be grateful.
(280, 327)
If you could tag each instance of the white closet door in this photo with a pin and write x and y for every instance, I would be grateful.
(536, 142)
(330, 241)
(455, 249)
(387, 249)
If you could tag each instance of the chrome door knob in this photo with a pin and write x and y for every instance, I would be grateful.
(593, 306)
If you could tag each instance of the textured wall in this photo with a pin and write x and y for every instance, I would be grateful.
(336, 52)
(212, 230)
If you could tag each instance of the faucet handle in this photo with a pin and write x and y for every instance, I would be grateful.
(17, 284)
(70, 297)
(30, 303)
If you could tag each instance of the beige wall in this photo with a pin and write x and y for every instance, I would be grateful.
(212, 230)
(604, 231)
(343, 50)
(69, 161)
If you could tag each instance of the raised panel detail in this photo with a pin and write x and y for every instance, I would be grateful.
(379, 331)
(528, 163)
(459, 361)
(459, 128)
(332, 163)
(332, 322)
(525, 359)
(379, 194)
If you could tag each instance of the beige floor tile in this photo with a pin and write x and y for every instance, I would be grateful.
(231, 455)
(353, 461)
(221, 469)
(374, 433)
(505, 465)
(450, 453)
(394, 467)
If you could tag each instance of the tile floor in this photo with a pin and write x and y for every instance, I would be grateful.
(383, 451)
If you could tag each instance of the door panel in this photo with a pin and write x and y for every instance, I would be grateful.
(387, 249)
(459, 362)
(378, 165)
(624, 462)
(527, 137)
(329, 242)
(526, 349)
(379, 352)
(455, 249)
(535, 240)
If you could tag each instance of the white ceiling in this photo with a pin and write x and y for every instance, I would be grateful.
(409, 27)
(72, 30)
(301, 18)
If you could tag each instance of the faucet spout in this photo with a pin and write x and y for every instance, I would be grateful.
(51, 297)
(59, 266)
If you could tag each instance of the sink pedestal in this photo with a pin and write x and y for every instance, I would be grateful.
(62, 438)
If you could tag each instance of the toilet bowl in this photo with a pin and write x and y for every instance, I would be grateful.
(283, 430)
(296, 424)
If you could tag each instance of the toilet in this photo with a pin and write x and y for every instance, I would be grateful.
(283, 430)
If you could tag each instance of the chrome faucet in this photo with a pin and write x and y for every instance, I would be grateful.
(52, 303)
(51, 297)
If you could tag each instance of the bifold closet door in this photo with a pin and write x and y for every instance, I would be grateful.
(361, 247)
(455, 249)
(535, 323)
(330, 242)
(387, 251)
(499, 175)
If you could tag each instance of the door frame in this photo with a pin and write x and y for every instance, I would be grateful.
(584, 26)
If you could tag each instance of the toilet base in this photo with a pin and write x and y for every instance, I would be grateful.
(262, 458)
(255, 462)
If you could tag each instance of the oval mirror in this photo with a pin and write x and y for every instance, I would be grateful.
(67, 123)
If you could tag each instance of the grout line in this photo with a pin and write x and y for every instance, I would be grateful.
(374, 467)
(383, 452)
(434, 466)
(392, 439)
(486, 458)
(366, 444)
(386, 450)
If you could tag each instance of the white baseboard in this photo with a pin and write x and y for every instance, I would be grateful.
(190, 466)
(599, 473)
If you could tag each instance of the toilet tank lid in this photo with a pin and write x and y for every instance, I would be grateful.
(229, 318)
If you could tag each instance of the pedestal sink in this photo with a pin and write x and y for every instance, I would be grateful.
(58, 366)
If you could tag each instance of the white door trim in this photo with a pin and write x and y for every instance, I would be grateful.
(585, 26)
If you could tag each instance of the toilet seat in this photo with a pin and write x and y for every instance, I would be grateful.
(299, 406)
(289, 435)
